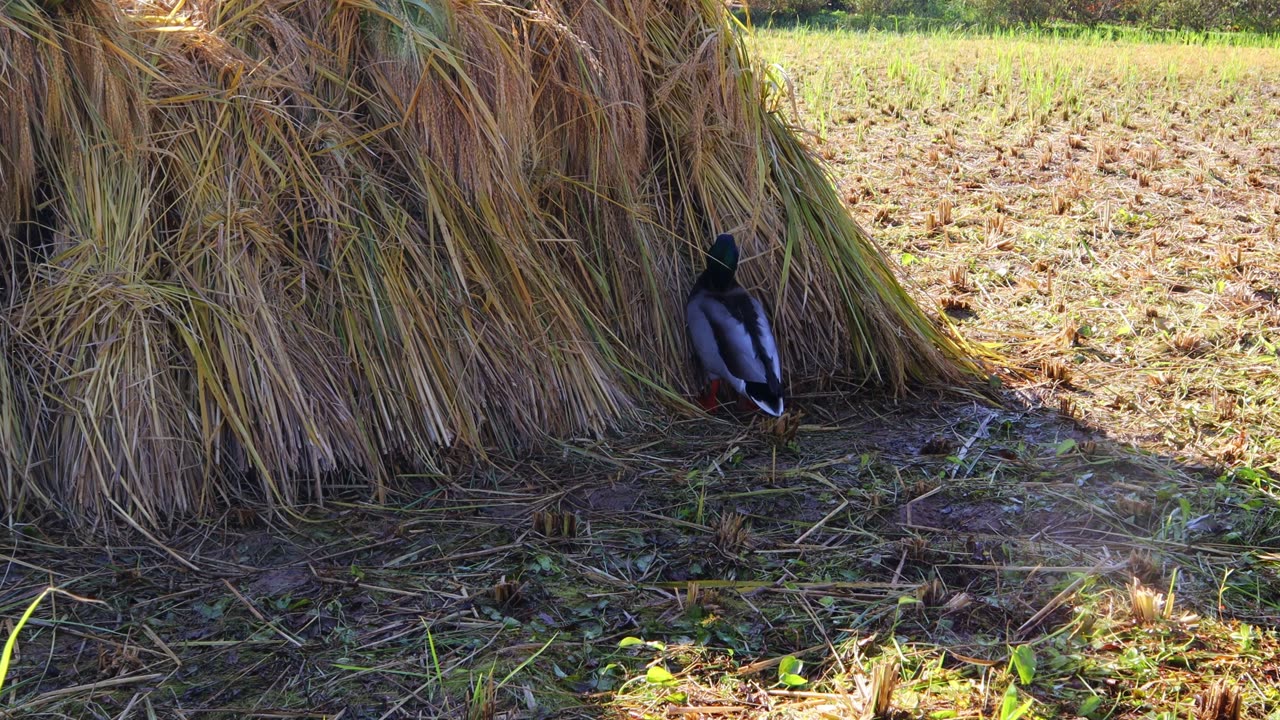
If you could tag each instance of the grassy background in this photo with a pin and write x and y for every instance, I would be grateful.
(1085, 33)
(1184, 15)
(1104, 212)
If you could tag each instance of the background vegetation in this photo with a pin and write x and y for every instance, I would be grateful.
(1253, 15)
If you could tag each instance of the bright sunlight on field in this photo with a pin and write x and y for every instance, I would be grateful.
(1103, 214)
(1105, 210)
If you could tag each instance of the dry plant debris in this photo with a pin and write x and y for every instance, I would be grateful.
(1142, 193)
(892, 591)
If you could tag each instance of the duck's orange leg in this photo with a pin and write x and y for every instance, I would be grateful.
(708, 398)
(745, 404)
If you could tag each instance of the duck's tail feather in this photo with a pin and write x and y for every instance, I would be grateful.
(765, 397)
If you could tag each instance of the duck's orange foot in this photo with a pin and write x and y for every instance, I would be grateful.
(745, 404)
(708, 398)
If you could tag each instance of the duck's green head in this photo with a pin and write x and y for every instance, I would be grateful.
(723, 254)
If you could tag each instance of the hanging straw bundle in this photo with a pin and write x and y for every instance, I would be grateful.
(246, 244)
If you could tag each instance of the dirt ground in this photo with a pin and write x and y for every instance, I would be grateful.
(948, 529)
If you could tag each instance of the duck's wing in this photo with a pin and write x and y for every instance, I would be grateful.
(725, 331)
(703, 334)
(768, 348)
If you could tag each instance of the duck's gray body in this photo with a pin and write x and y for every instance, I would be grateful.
(731, 334)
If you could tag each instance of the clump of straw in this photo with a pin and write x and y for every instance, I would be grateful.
(248, 246)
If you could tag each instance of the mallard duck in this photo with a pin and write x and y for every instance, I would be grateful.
(731, 334)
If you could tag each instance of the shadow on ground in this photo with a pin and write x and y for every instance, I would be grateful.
(932, 538)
